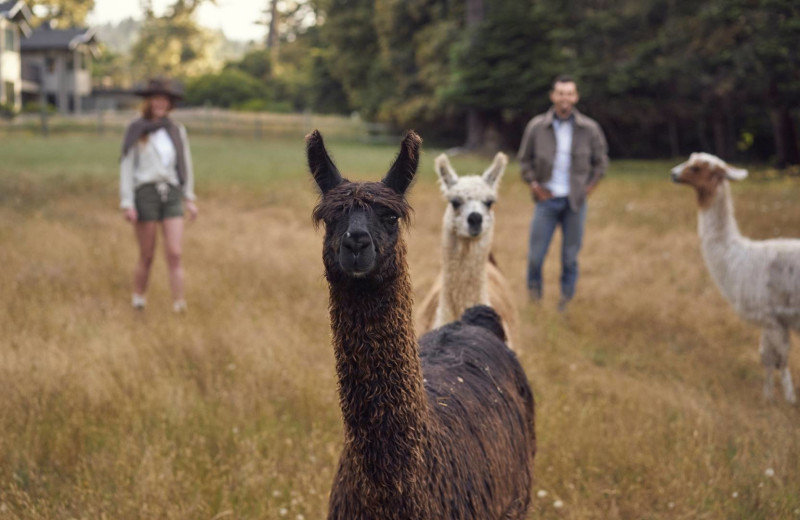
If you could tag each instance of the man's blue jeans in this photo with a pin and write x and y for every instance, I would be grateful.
(549, 214)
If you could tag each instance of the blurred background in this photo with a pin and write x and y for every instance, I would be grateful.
(648, 393)
(720, 75)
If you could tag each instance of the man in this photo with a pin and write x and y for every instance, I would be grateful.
(563, 155)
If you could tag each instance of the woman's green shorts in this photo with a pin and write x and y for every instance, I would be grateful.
(151, 206)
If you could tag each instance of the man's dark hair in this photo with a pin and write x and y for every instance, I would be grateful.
(563, 78)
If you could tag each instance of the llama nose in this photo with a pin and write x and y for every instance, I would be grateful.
(356, 241)
(474, 220)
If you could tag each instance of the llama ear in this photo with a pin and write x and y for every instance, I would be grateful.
(402, 171)
(494, 173)
(319, 162)
(735, 174)
(447, 175)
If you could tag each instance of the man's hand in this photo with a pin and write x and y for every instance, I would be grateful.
(590, 188)
(540, 192)
(130, 215)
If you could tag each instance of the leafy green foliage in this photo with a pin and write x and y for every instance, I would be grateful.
(505, 63)
(173, 44)
(63, 13)
(226, 89)
(256, 63)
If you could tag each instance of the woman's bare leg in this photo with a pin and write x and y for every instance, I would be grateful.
(146, 237)
(173, 236)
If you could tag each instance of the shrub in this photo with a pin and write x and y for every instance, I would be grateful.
(7, 111)
(225, 89)
(34, 107)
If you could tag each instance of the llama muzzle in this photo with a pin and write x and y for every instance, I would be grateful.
(357, 249)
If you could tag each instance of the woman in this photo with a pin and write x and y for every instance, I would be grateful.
(155, 175)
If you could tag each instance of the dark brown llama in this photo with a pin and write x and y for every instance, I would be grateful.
(443, 429)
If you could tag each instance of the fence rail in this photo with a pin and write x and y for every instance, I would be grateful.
(204, 121)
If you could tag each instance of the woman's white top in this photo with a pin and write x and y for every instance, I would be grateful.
(164, 146)
(152, 162)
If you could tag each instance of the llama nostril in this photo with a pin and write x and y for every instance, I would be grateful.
(356, 242)
(474, 219)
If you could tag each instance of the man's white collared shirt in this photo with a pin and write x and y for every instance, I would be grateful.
(559, 182)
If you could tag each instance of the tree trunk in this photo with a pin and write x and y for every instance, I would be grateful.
(793, 137)
(476, 123)
(616, 144)
(674, 141)
(731, 137)
(272, 34)
(718, 128)
(702, 135)
(476, 128)
(778, 136)
(784, 134)
(475, 12)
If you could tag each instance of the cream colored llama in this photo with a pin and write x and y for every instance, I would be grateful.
(469, 276)
(760, 279)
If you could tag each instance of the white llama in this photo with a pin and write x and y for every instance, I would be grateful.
(469, 275)
(760, 279)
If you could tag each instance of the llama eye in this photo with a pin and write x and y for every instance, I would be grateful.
(390, 219)
(488, 203)
(695, 169)
(456, 203)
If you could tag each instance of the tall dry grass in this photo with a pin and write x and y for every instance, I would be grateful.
(648, 391)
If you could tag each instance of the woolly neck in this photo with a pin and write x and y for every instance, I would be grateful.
(464, 279)
(381, 391)
(717, 222)
(720, 239)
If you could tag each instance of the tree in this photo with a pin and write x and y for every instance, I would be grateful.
(679, 75)
(226, 89)
(355, 53)
(257, 63)
(173, 44)
(62, 13)
(502, 68)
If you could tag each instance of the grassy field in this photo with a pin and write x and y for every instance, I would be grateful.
(648, 392)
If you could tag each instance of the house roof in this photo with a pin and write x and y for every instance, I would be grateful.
(45, 37)
(17, 11)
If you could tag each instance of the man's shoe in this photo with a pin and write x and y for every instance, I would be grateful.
(562, 304)
(535, 294)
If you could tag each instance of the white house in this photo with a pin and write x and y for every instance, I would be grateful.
(59, 61)
(15, 23)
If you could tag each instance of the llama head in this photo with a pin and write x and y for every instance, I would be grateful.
(469, 212)
(362, 219)
(705, 172)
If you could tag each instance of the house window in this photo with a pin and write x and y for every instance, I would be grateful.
(50, 64)
(10, 40)
(11, 95)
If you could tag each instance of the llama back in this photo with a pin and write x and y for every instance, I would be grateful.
(479, 395)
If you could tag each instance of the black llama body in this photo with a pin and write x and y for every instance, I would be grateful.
(443, 429)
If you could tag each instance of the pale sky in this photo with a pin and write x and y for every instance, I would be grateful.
(234, 17)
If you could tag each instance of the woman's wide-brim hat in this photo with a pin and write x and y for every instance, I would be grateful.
(160, 86)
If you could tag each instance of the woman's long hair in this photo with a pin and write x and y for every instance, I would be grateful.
(147, 108)
(147, 113)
